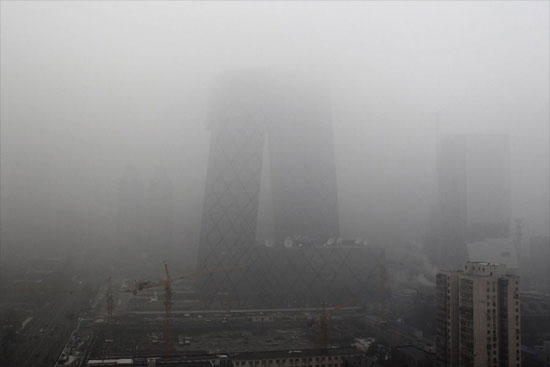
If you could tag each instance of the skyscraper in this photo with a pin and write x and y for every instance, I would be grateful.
(478, 317)
(252, 110)
(474, 195)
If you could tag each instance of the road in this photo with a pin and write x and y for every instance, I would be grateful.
(41, 341)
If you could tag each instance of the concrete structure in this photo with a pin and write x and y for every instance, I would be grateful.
(478, 317)
(474, 195)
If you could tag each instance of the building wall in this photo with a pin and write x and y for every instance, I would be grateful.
(447, 318)
(300, 276)
(513, 322)
(488, 317)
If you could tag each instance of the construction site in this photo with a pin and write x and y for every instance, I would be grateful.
(140, 319)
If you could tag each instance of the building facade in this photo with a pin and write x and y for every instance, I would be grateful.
(478, 321)
(298, 276)
(265, 121)
(332, 357)
(474, 195)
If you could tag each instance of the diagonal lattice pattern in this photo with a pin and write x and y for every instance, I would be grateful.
(248, 111)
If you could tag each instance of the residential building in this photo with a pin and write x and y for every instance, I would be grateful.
(478, 321)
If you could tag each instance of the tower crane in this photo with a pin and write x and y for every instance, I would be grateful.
(322, 321)
(167, 285)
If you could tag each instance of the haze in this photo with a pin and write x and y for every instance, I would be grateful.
(93, 90)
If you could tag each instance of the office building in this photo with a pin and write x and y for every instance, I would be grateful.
(474, 195)
(478, 317)
(284, 122)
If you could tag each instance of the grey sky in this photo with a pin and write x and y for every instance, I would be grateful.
(89, 88)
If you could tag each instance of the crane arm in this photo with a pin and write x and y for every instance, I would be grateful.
(328, 313)
(163, 283)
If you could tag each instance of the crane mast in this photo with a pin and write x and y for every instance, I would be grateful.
(168, 292)
(322, 319)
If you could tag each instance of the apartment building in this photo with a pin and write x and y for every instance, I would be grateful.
(478, 318)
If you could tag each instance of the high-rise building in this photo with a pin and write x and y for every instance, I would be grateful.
(539, 263)
(478, 317)
(474, 195)
(252, 111)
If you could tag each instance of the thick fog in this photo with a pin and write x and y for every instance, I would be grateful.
(94, 94)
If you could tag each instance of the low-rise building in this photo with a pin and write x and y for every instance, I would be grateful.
(330, 357)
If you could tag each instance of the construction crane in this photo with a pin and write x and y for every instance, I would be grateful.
(322, 321)
(167, 285)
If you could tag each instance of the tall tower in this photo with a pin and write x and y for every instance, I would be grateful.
(251, 109)
(474, 195)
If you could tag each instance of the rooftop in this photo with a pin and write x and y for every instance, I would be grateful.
(277, 354)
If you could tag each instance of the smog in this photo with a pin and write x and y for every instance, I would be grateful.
(274, 181)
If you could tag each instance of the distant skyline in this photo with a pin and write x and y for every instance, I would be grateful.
(89, 88)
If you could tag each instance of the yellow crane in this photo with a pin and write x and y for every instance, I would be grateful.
(322, 320)
(167, 285)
